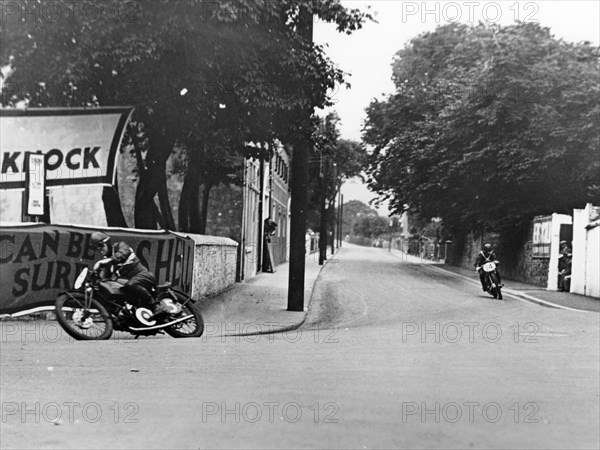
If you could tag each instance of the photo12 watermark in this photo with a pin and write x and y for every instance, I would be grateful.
(469, 332)
(254, 332)
(69, 412)
(47, 332)
(470, 12)
(454, 412)
(271, 412)
(442, 94)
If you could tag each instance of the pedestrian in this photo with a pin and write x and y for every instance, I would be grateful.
(564, 267)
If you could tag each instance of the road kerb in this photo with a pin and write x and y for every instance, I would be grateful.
(515, 294)
(291, 326)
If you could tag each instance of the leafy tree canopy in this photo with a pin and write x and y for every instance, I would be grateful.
(332, 161)
(488, 126)
(206, 76)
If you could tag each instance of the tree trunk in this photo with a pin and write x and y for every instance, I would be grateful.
(146, 212)
(152, 179)
(165, 204)
(331, 211)
(112, 208)
(189, 201)
(204, 210)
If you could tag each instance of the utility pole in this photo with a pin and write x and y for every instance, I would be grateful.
(323, 221)
(341, 217)
(331, 216)
(299, 187)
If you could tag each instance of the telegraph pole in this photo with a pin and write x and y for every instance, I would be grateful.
(323, 215)
(331, 216)
(340, 218)
(299, 187)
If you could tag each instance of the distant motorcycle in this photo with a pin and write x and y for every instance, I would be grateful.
(492, 284)
(95, 307)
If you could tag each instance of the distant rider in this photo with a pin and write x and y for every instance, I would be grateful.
(121, 264)
(486, 255)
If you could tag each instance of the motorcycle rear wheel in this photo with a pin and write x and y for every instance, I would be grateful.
(70, 308)
(193, 327)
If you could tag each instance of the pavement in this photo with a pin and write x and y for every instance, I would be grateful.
(259, 305)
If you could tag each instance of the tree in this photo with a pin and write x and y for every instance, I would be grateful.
(488, 126)
(205, 76)
(333, 161)
(372, 226)
(351, 213)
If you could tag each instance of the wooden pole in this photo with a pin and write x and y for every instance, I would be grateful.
(299, 188)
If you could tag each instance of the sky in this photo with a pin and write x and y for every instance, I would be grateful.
(367, 54)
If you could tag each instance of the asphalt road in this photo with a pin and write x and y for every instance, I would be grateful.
(392, 355)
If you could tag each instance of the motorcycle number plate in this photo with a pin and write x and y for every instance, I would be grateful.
(170, 307)
(489, 267)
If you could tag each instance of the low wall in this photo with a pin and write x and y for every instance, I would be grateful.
(38, 261)
(214, 264)
(516, 260)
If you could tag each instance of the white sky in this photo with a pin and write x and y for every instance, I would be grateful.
(367, 54)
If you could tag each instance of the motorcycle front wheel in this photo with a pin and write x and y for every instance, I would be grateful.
(495, 290)
(85, 324)
(192, 327)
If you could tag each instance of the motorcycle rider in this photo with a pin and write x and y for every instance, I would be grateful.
(122, 264)
(486, 255)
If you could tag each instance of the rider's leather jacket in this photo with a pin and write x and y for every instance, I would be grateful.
(123, 263)
(484, 257)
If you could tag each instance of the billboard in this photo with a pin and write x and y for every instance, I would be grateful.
(37, 262)
(542, 237)
(79, 145)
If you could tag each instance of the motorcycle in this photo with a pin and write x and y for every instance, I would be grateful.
(96, 307)
(491, 279)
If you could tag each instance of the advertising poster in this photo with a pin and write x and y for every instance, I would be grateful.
(79, 145)
(37, 262)
(542, 237)
(36, 183)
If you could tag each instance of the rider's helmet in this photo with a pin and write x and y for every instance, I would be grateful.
(98, 237)
(487, 248)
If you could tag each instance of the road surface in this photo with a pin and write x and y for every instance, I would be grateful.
(393, 355)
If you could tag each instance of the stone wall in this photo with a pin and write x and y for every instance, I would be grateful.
(524, 267)
(214, 265)
(514, 253)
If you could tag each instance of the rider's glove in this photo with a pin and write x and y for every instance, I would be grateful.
(101, 263)
(477, 269)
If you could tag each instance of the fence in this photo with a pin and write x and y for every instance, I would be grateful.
(425, 249)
